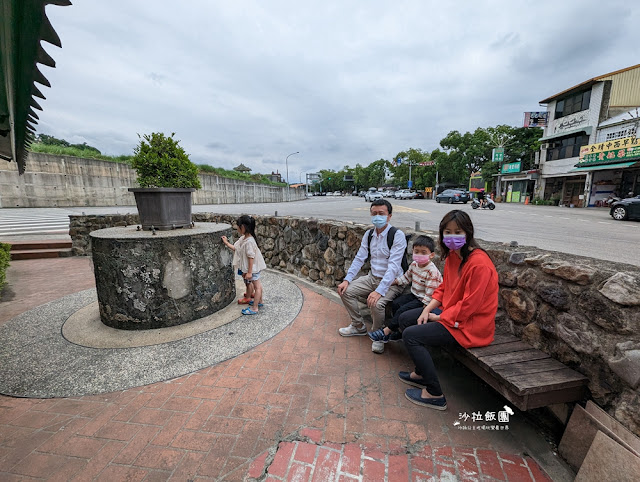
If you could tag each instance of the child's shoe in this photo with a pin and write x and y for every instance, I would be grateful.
(395, 336)
(378, 335)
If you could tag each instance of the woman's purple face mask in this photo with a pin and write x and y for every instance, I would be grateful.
(454, 241)
(453, 237)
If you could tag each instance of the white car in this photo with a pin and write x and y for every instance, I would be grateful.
(404, 194)
(372, 196)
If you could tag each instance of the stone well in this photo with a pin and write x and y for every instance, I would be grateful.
(147, 281)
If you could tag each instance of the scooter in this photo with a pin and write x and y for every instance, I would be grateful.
(611, 199)
(488, 204)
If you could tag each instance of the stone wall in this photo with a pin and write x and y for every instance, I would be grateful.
(62, 181)
(584, 312)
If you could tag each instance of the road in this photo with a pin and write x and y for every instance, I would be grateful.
(588, 232)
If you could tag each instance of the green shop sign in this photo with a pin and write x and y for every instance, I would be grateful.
(511, 167)
(611, 156)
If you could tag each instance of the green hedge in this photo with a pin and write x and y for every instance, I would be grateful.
(4, 263)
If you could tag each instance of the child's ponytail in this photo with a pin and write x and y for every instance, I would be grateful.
(249, 225)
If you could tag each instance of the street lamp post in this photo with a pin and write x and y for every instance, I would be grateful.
(286, 161)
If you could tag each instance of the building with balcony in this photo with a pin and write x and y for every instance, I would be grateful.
(581, 163)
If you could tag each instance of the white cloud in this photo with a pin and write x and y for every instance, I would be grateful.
(342, 82)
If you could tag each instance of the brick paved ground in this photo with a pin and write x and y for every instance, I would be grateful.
(305, 405)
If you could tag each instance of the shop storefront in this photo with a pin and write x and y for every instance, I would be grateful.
(612, 169)
(517, 186)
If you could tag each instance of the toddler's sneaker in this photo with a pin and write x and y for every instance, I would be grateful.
(377, 347)
(378, 335)
(395, 336)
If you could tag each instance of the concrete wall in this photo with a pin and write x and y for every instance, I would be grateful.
(60, 181)
(582, 311)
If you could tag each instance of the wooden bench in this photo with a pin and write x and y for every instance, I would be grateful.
(527, 377)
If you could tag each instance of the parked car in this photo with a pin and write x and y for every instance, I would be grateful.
(404, 194)
(387, 193)
(362, 193)
(453, 196)
(628, 208)
(372, 196)
(419, 195)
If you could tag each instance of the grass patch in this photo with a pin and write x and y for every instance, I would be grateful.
(5, 257)
(241, 176)
(77, 152)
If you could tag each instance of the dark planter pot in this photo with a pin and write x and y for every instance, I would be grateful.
(163, 208)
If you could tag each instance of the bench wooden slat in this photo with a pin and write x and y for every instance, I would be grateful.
(492, 349)
(546, 381)
(515, 357)
(523, 368)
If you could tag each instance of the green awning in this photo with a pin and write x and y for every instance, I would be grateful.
(601, 167)
(587, 130)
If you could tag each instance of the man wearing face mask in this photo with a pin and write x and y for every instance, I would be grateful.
(375, 288)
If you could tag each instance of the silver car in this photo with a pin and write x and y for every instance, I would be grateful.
(372, 196)
(404, 194)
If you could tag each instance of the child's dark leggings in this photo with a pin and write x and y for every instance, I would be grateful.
(417, 339)
(401, 304)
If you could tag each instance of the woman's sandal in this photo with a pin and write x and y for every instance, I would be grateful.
(260, 305)
(249, 311)
(245, 301)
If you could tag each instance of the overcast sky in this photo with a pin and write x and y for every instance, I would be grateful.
(343, 82)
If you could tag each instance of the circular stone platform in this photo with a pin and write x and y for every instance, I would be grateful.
(38, 361)
(155, 280)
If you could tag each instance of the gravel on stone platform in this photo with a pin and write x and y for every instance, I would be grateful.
(36, 361)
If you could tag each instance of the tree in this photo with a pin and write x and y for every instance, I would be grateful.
(53, 141)
(421, 175)
(471, 152)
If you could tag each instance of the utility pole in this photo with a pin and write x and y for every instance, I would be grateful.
(286, 161)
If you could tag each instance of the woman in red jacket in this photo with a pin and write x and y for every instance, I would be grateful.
(468, 297)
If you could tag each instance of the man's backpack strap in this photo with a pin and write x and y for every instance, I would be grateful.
(391, 234)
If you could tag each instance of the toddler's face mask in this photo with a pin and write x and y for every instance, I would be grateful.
(422, 258)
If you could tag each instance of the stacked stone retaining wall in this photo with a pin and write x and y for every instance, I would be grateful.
(582, 311)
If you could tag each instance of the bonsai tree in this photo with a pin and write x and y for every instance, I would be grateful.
(161, 162)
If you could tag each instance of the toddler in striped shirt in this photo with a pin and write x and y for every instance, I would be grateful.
(424, 278)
